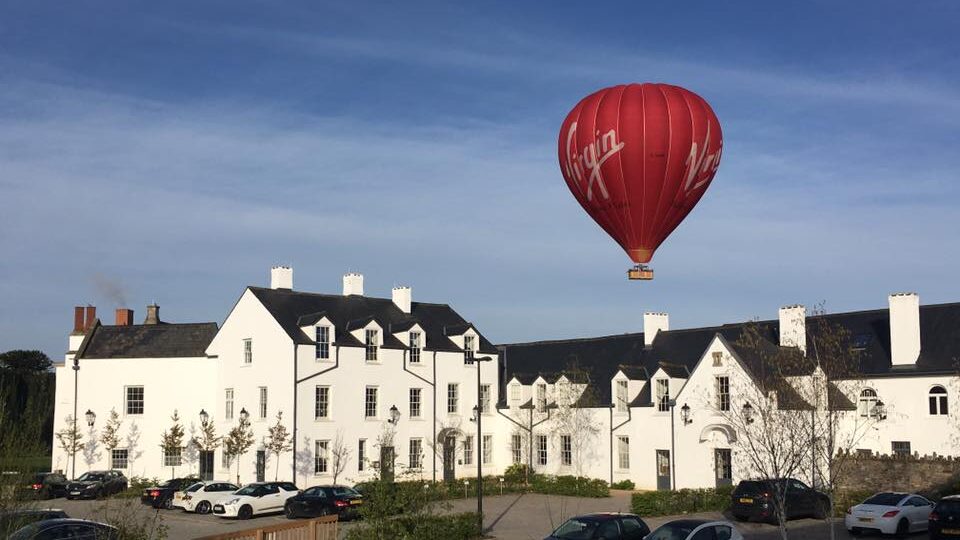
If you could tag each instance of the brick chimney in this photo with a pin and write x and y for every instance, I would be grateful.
(78, 320)
(91, 317)
(153, 314)
(124, 317)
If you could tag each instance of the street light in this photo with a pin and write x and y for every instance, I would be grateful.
(685, 414)
(475, 415)
(880, 410)
(204, 417)
(394, 415)
(244, 414)
(748, 412)
(91, 418)
(478, 413)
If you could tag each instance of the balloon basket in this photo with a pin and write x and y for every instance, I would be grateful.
(640, 272)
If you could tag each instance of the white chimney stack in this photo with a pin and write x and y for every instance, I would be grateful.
(654, 322)
(403, 297)
(281, 277)
(353, 284)
(904, 328)
(793, 327)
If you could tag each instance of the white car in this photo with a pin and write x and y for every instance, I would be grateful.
(201, 497)
(889, 513)
(687, 529)
(256, 498)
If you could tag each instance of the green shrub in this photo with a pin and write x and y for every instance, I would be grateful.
(518, 473)
(623, 484)
(577, 486)
(462, 526)
(684, 501)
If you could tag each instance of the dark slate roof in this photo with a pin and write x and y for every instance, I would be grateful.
(288, 307)
(164, 340)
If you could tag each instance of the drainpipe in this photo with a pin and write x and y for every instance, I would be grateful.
(673, 449)
(433, 386)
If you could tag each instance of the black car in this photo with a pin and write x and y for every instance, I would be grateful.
(606, 526)
(756, 499)
(46, 485)
(343, 501)
(94, 484)
(63, 529)
(944, 521)
(14, 520)
(162, 496)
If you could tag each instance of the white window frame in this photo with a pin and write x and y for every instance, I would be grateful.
(468, 450)
(542, 456)
(541, 396)
(228, 403)
(663, 394)
(453, 398)
(247, 351)
(127, 402)
(566, 450)
(323, 342)
(623, 394)
(721, 388)
(623, 452)
(321, 457)
(516, 447)
(485, 399)
(361, 454)
(372, 343)
(118, 460)
(486, 449)
(262, 409)
(415, 347)
(172, 459)
(468, 348)
(321, 402)
(867, 403)
(415, 454)
(370, 405)
(515, 393)
(938, 404)
(416, 401)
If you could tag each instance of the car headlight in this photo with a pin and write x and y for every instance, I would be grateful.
(88, 488)
(233, 501)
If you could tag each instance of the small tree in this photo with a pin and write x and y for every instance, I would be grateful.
(172, 443)
(238, 440)
(70, 439)
(133, 445)
(339, 456)
(110, 436)
(278, 441)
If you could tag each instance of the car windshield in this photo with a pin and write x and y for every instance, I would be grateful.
(90, 477)
(670, 531)
(248, 490)
(345, 491)
(170, 484)
(576, 529)
(195, 487)
(884, 499)
(948, 507)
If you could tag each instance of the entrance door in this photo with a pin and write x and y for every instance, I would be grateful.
(449, 458)
(663, 469)
(261, 465)
(723, 466)
(206, 465)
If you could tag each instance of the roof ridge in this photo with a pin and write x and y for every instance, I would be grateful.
(568, 340)
(163, 324)
(333, 295)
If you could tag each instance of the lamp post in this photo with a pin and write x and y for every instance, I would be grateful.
(73, 441)
(478, 414)
(204, 417)
(748, 413)
(685, 414)
(91, 418)
(394, 415)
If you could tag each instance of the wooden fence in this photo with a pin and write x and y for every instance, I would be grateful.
(321, 528)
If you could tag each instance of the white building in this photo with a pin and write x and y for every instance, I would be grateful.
(335, 366)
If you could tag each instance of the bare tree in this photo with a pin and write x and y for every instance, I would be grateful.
(110, 435)
(238, 441)
(573, 417)
(171, 441)
(91, 450)
(304, 459)
(278, 441)
(133, 445)
(70, 439)
(339, 456)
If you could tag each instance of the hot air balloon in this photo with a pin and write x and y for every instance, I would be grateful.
(638, 158)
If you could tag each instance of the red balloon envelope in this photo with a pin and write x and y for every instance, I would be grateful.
(638, 157)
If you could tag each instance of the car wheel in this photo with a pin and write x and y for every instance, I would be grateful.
(289, 511)
(245, 512)
(739, 517)
(203, 507)
(98, 494)
(902, 528)
(856, 531)
(324, 511)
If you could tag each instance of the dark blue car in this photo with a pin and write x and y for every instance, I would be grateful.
(602, 526)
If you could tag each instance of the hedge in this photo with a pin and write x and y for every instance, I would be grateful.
(578, 486)
(684, 501)
(463, 526)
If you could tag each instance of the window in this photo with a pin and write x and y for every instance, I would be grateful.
(415, 402)
(370, 402)
(486, 449)
(321, 457)
(623, 452)
(723, 465)
(938, 401)
(542, 449)
(566, 450)
(622, 396)
(663, 395)
(228, 403)
(226, 460)
(118, 458)
(453, 398)
(361, 454)
(516, 449)
(372, 343)
(416, 453)
(468, 450)
(901, 448)
(542, 396)
(414, 347)
(263, 402)
(722, 388)
(868, 403)
(134, 400)
(171, 458)
(321, 406)
(717, 359)
(514, 393)
(663, 463)
(323, 342)
(484, 398)
(468, 349)
(248, 351)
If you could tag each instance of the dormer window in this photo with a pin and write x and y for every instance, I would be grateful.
(468, 349)
(415, 346)
(514, 393)
(663, 395)
(323, 342)
(621, 396)
(542, 396)
(372, 343)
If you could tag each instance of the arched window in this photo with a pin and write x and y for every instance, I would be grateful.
(938, 401)
(868, 403)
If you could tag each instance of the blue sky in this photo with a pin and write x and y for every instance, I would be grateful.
(173, 152)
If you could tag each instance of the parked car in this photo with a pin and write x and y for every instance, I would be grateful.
(162, 496)
(62, 529)
(756, 499)
(94, 484)
(605, 525)
(45, 485)
(201, 496)
(256, 498)
(944, 521)
(14, 520)
(889, 513)
(695, 529)
(343, 501)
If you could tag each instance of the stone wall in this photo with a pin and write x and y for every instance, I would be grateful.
(932, 475)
